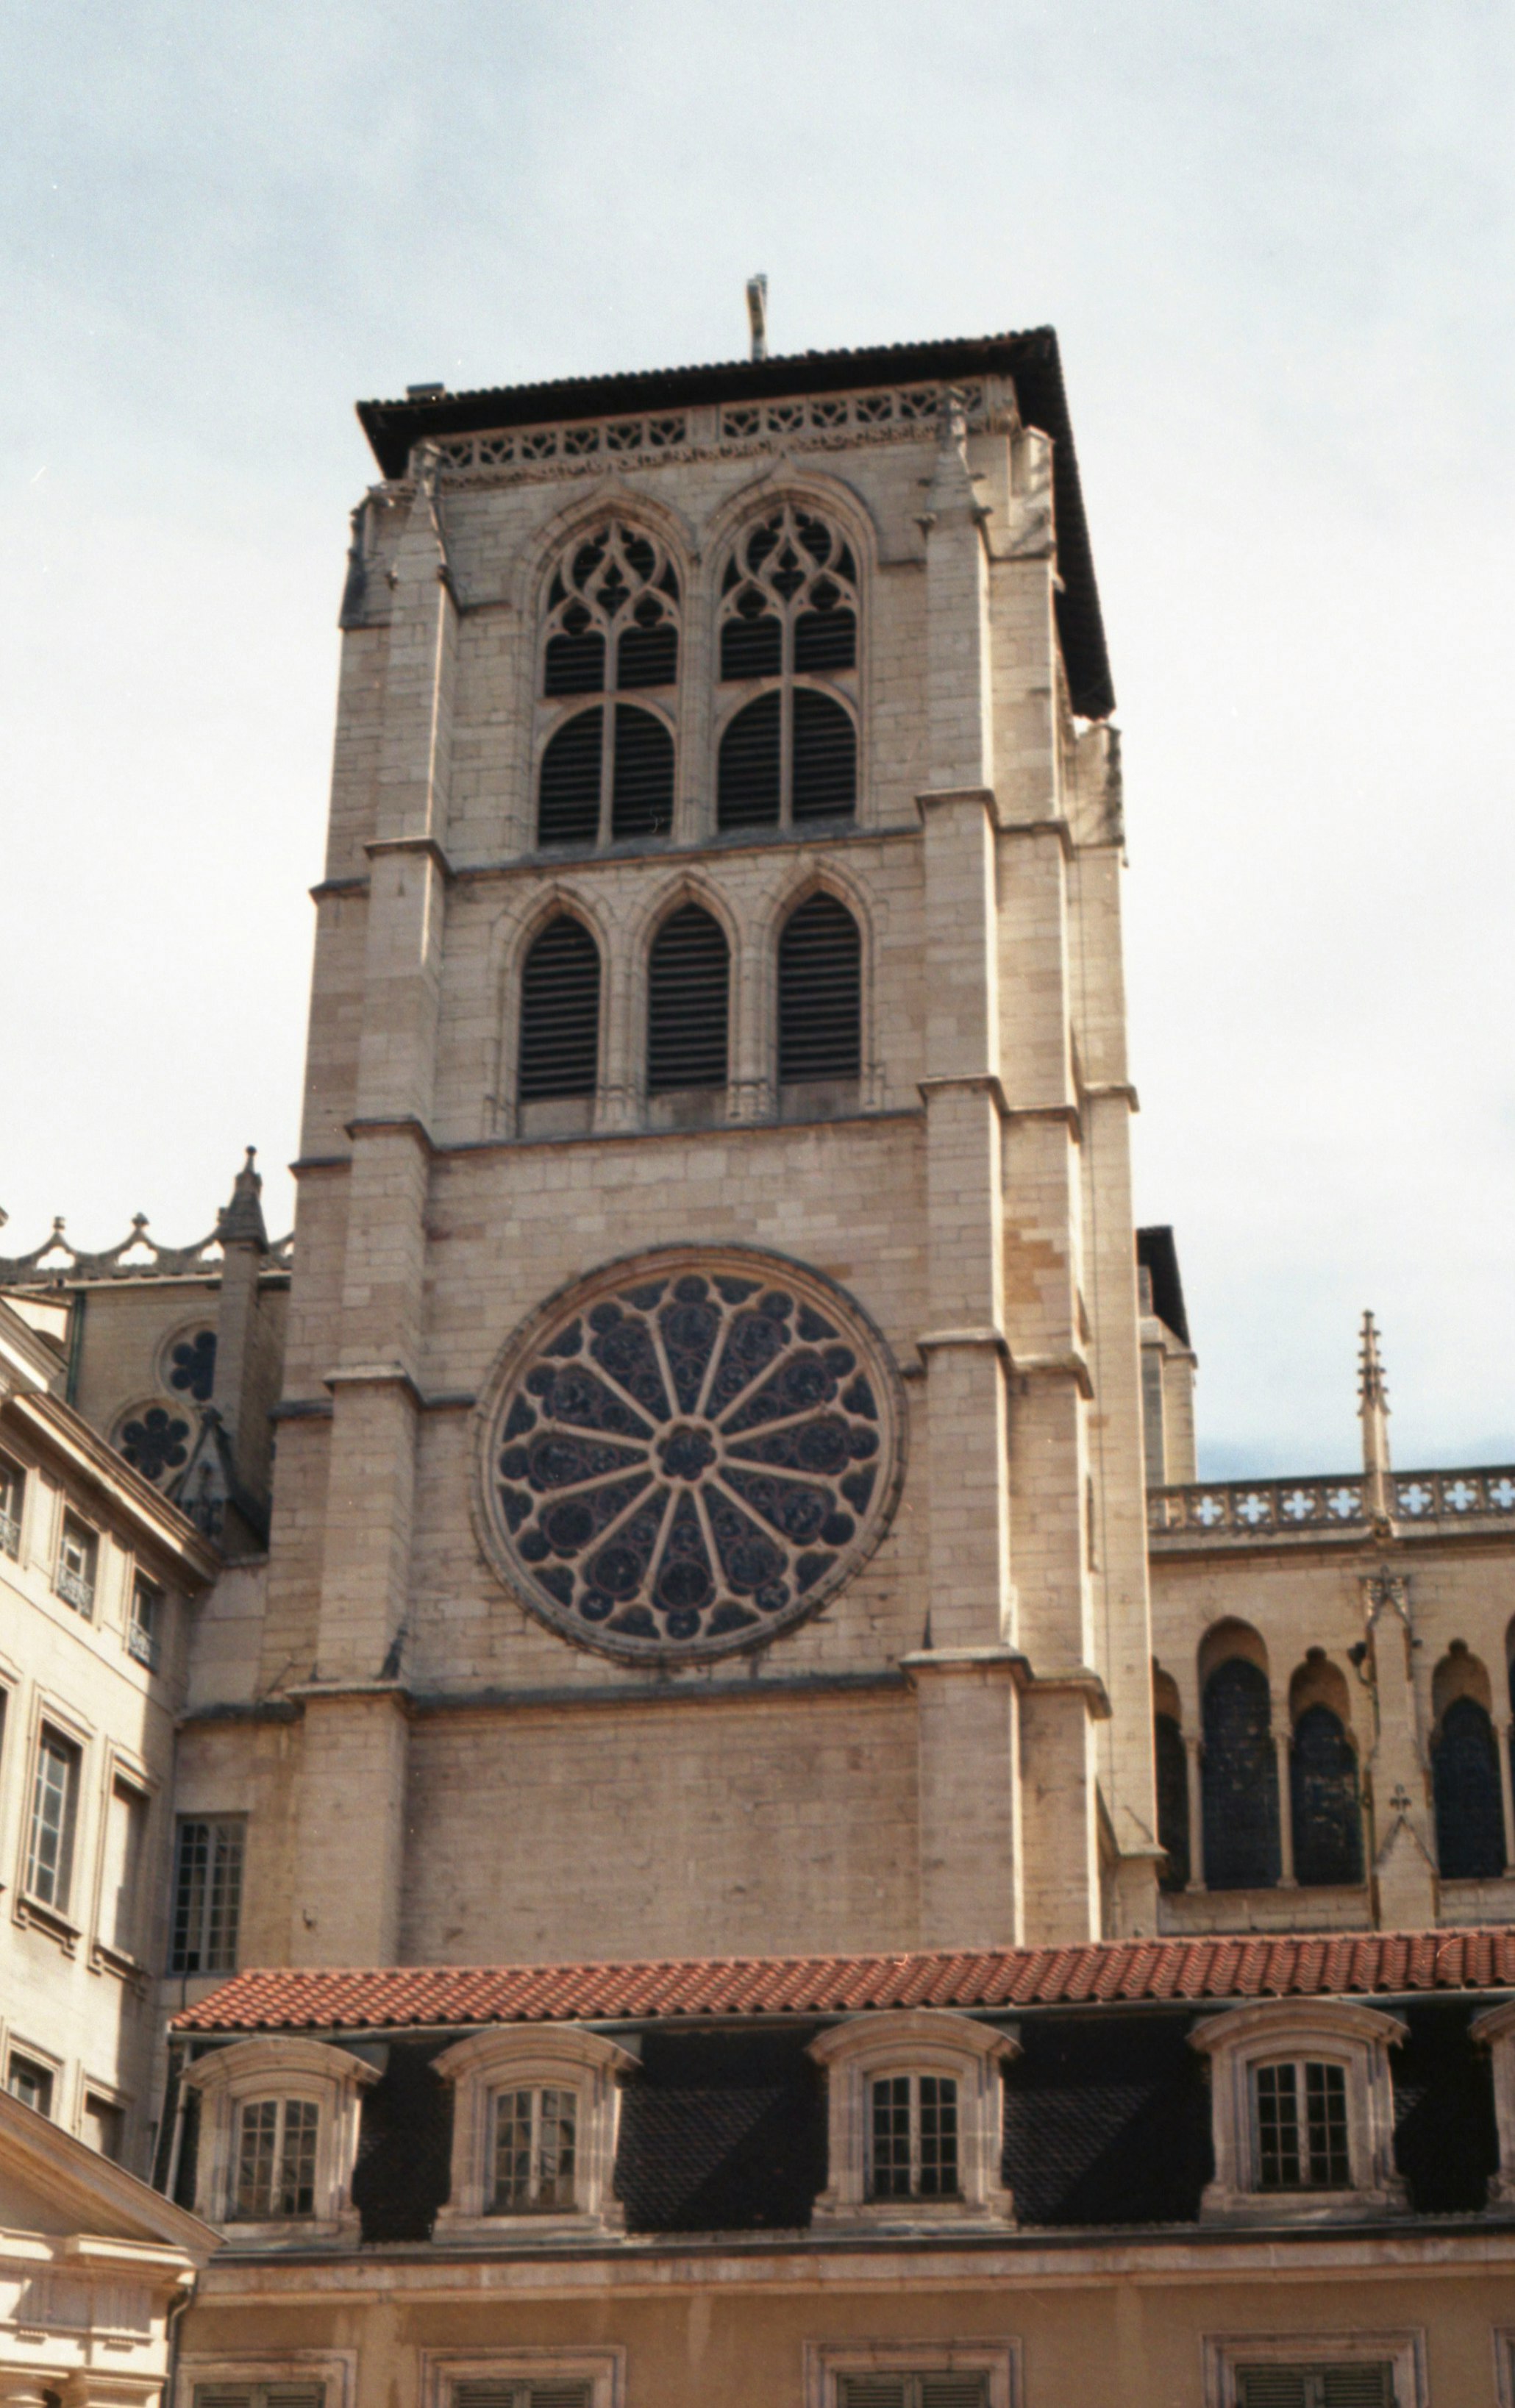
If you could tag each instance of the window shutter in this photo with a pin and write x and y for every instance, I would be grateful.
(688, 983)
(1366, 2385)
(492, 2392)
(568, 790)
(746, 779)
(225, 2395)
(954, 2390)
(825, 757)
(641, 793)
(874, 2391)
(819, 993)
(576, 661)
(259, 2395)
(560, 1013)
(647, 656)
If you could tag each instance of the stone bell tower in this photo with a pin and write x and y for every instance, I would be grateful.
(710, 1509)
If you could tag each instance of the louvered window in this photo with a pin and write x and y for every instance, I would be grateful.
(819, 993)
(260, 2394)
(1301, 2124)
(540, 2392)
(1367, 2383)
(789, 622)
(913, 2137)
(687, 988)
(613, 627)
(560, 1013)
(923, 2390)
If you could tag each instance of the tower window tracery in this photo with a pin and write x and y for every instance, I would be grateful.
(688, 1002)
(789, 625)
(611, 629)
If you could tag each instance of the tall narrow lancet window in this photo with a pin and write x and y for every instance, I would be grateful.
(688, 989)
(1172, 1799)
(1240, 1786)
(788, 649)
(560, 1013)
(819, 993)
(1470, 1817)
(1323, 1791)
(606, 769)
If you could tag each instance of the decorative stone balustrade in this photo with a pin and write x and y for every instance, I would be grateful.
(1238, 1511)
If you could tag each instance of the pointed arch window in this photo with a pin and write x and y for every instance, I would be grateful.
(688, 1002)
(789, 628)
(1470, 1819)
(1240, 1784)
(560, 1013)
(819, 993)
(1172, 1799)
(611, 629)
(1326, 1817)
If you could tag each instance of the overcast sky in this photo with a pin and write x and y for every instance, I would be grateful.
(1277, 242)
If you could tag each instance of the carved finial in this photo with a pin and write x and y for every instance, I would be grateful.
(951, 418)
(757, 315)
(241, 1220)
(1373, 1412)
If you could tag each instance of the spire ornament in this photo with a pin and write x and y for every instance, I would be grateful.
(1373, 1413)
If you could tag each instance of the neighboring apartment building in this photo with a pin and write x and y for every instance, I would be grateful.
(749, 1736)
(99, 1575)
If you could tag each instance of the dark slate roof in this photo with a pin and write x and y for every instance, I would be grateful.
(1132, 1971)
(1030, 360)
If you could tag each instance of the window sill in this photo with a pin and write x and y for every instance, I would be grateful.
(342, 2231)
(1220, 2204)
(517, 2231)
(126, 1967)
(994, 2213)
(42, 1918)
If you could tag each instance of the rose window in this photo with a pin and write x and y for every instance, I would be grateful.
(686, 1454)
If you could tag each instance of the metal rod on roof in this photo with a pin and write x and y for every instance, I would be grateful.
(757, 314)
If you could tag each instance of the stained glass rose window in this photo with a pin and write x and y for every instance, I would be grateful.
(687, 1453)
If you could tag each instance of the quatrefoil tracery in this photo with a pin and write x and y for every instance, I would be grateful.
(689, 1456)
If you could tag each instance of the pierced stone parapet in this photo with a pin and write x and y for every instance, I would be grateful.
(1260, 1512)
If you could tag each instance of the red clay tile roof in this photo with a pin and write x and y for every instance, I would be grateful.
(1130, 1971)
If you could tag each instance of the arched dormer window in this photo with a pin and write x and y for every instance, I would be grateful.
(535, 2122)
(1302, 2109)
(278, 2138)
(915, 2119)
(611, 629)
(560, 1013)
(788, 634)
(688, 1002)
(819, 994)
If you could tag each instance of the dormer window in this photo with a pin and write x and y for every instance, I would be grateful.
(278, 2138)
(1302, 2109)
(915, 2119)
(912, 2136)
(535, 2123)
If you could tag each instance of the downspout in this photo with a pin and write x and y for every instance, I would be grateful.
(176, 2144)
(171, 2323)
(76, 1344)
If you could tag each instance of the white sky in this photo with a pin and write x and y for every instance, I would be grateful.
(1277, 242)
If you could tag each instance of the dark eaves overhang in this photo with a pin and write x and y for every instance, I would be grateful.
(1031, 361)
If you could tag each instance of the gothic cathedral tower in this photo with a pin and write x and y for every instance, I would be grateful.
(709, 1509)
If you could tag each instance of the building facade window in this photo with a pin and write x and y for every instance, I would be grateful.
(1469, 1810)
(276, 2159)
(788, 639)
(1302, 2111)
(612, 628)
(926, 2390)
(1327, 1818)
(30, 2082)
(688, 1002)
(260, 2394)
(13, 1500)
(534, 2150)
(1240, 1779)
(154, 1441)
(145, 1623)
(1362, 2369)
(535, 2123)
(915, 2119)
(191, 1369)
(913, 2137)
(49, 1850)
(278, 2138)
(1172, 1801)
(207, 1895)
(819, 994)
(913, 2374)
(121, 1877)
(79, 1551)
(560, 1013)
(104, 2127)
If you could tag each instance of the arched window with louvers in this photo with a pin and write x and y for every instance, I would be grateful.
(688, 1003)
(820, 1000)
(558, 1052)
(788, 639)
(612, 631)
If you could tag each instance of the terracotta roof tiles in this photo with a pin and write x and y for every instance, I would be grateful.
(421, 1997)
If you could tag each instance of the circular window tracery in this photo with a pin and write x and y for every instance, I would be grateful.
(685, 1455)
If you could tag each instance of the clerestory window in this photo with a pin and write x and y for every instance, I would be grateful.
(534, 2132)
(276, 2159)
(612, 629)
(913, 2137)
(1300, 2118)
(789, 632)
